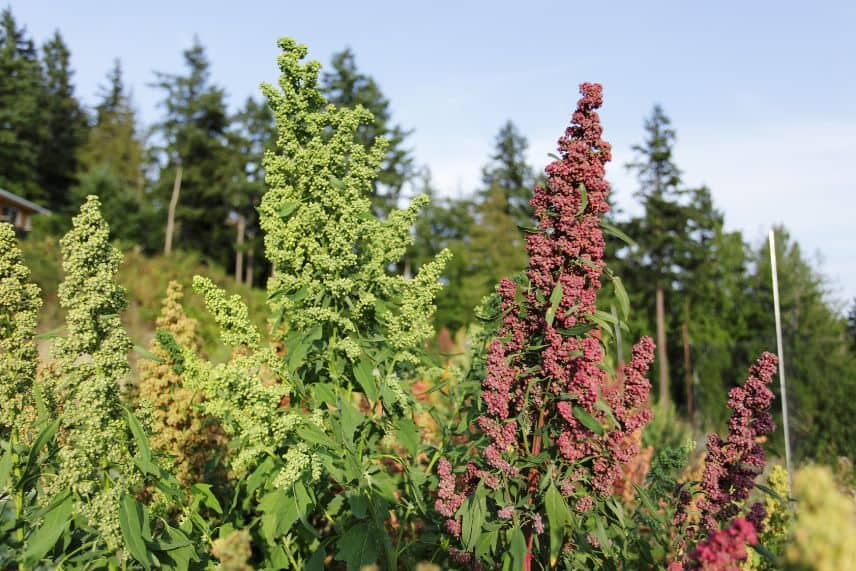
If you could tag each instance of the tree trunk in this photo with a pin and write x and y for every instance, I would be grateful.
(662, 354)
(249, 275)
(170, 217)
(688, 370)
(239, 249)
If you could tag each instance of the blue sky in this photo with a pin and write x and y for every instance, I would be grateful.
(763, 94)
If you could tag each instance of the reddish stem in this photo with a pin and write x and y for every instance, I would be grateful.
(533, 486)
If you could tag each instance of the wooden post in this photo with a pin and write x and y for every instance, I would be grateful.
(170, 217)
(662, 354)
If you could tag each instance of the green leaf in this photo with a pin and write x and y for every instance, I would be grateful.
(279, 512)
(177, 552)
(146, 354)
(600, 405)
(297, 352)
(487, 543)
(557, 516)
(315, 435)
(357, 547)
(359, 505)
(621, 296)
(583, 199)
(323, 392)
(474, 512)
(607, 317)
(408, 435)
(587, 420)
(600, 533)
(316, 562)
(287, 209)
(768, 555)
(517, 543)
(604, 324)
(41, 441)
(642, 494)
(614, 231)
(577, 330)
(5, 468)
(52, 334)
(770, 492)
(56, 521)
(350, 418)
(363, 372)
(202, 495)
(143, 459)
(131, 521)
(555, 300)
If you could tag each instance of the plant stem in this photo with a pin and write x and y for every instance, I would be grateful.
(19, 493)
(533, 486)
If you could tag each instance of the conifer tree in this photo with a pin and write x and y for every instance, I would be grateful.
(851, 324)
(91, 362)
(346, 86)
(496, 247)
(114, 140)
(509, 172)
(21, 112)
(65, 125)
(193, 135)
(111, 166)
(661, 230)
(708, 308)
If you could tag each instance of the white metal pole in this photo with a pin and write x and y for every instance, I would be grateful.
(782, 383)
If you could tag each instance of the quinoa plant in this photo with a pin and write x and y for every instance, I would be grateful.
(19, 308)
(537, 466)
(316, 410)
(190, 442)
(554, 428)
(91, 361)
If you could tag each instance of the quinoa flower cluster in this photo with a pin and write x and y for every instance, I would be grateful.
(732, 464)
(545, 373)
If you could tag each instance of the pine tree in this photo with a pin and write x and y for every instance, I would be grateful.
(114, 140)
(193, 136)
(708, 305)
(509, 172)
(65, 124)
(21, 112)
(346, 86)
(851, 325)
(661, 231)
(111, 166)
(496, 248)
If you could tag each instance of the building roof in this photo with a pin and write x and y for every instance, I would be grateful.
(22, 202)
